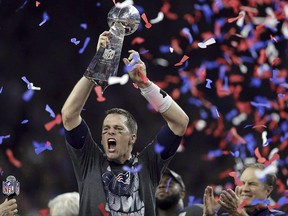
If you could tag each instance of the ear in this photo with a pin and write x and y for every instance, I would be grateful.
(182, 194)
(132, 139)
(269, 189)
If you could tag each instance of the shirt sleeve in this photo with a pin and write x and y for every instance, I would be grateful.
(76, 136)
(167, 139)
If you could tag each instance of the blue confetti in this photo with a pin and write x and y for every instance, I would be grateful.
(1, 89)
(28, 94)
(45, 18)
(261, 202)
(168, 184)
(48, 109)
(4, 137)
(164, 49)
(22, 6)
(208, 84)
(40, 147)
(230, 115)
(74, 40)
(83, 25)
(24, 121)
(132, 170)
(158, 148)
(86, 42)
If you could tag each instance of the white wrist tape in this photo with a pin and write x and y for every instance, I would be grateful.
(158, 98)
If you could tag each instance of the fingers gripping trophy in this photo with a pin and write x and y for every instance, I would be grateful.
(122, 21)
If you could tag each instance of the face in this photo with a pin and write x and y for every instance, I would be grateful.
(168, 192)
(117, 140)
(252, 188)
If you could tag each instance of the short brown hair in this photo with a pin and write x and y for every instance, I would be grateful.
(131, 121)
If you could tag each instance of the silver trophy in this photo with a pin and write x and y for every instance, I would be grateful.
(122, 21)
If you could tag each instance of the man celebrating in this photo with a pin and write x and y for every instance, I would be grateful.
(248, 199)
(116, 181)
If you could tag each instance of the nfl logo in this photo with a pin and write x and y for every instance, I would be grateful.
(8, 188)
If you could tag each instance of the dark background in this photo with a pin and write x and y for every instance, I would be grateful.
(45, 55)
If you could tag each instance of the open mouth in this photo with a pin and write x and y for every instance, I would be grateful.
(111, 144)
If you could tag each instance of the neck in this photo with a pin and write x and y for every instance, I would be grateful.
(174, 210)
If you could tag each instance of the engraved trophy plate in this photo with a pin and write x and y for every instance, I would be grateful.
(122, 21)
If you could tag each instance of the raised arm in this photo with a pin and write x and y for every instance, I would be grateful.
(76, 100)
(175, 117)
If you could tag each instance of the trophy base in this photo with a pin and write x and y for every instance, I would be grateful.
(103, 83)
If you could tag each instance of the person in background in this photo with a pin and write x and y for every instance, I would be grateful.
(117, 181)
(66, 204)
(170, 194)
(249, 199)
(8, 207)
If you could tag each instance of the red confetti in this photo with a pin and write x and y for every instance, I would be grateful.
(256, 126)
(137, 40)
(230, 20)
(274, 157)
(281, 186)
(48, 126)
(184, 58)
(98, 90)
(12, 159)
(243, 203)
(273, 38)
(143, 77)
(276, 61)
(37, 3)
(102, 209)
(166, 10)
(260, 159)
(147, 24)
(44, 212)
(236, 179)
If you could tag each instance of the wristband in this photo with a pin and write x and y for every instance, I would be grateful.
(158, 98)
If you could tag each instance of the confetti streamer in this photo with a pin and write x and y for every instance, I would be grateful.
(206, 43)
(121, 80)
(1, 89)
(37, 3)
(22, 6)
(40, 147)
(27, 95)
(45, 18)
(168, 184)
(241, 15)
(86, 42)
(74, 40)
(260, 159)
(4, 137)
(48, 126)
(147, 24)
(184, 58)
(15, 162)
(274, 157)
(99, 93)
(158, 148)
(124, 4)
(101, 207)
(24, 121)
(30, 85)
(242, 204)
(262, 173)
(261, 202)
(84, 25)
(132, 170)
(137, 40)
(158, 19)
(50, 111)
(236, 179)
(208, 84)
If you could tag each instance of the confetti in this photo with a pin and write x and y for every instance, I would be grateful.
(25, 121)
(74, 40)
(124, 4)
(30, 85)
(147, 24)
(86, 42)
(206, 43)
(22, 6)
(184, 58)
(168, 184)
(50, 111)
(1, 89)
(261, 202)
(48, 126)
(99, 93)
(37, 3)
(158, 19)
(27, 95)
(260, 159)
(241, 206)
(137, 40)
(121, 80)
(101, 207)
(4, 137)
(45, 18)
(84, 25)
(15, 162)
(236, 179)
(208, 84)
(132, 170)
(40, 147)
(241, 15)
(158, 148)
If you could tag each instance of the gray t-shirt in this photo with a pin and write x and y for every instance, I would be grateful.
(105, 185)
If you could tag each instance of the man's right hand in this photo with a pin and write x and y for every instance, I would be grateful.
(8, 207)
(210, 204)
